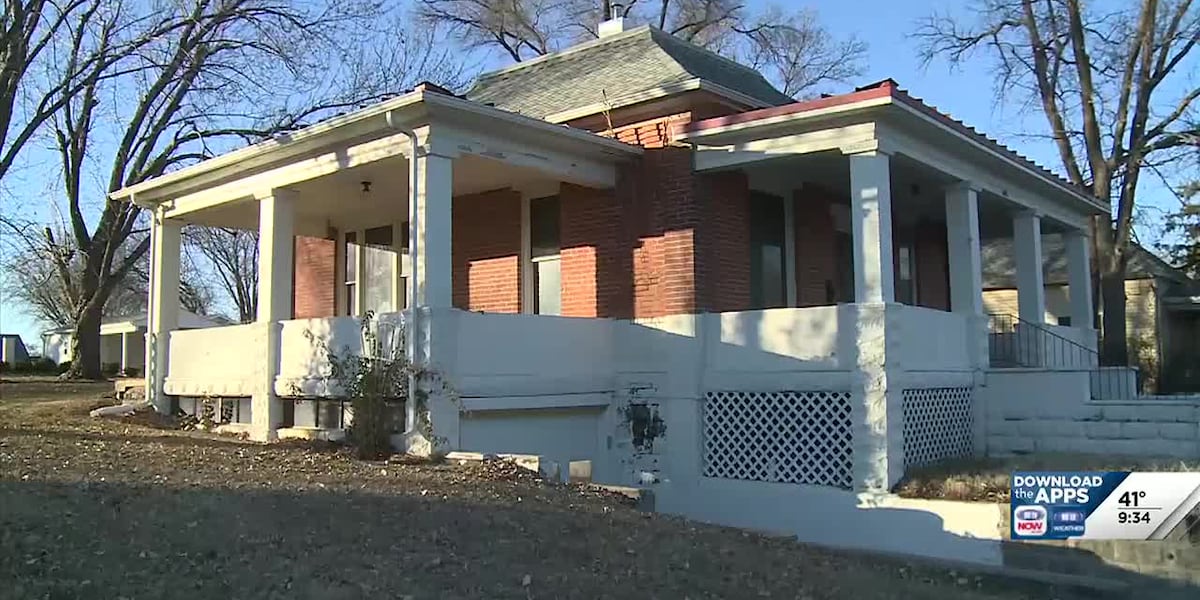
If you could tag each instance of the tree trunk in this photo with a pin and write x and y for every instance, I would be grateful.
(85, 343)
(1113, 349)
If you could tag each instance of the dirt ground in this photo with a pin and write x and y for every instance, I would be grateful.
(987, 479)
(94, 508)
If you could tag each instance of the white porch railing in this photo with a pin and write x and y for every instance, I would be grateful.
(937, 340)
(304, 368)
(215, 361)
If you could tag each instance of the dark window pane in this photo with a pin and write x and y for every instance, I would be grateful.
(906, 289)
(404, 235)
(845, 262)
(380, 237)
(544, 226)
(767, 260)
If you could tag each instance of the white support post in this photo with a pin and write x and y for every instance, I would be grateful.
(435, 187)
(1079, 278)
(124, 352)
(966, 274)
(962, 238)
(1027, 252)
(877, 417)
(276, 244)
(433, 276)
(871, 221)
(163, 305)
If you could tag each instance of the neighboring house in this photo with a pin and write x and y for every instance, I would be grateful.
(1162, 310)
(636, 253)
(12, 349)
(122, 341)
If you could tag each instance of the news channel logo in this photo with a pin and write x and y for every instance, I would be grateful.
(1029, 521)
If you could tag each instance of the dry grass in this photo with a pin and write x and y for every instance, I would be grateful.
(987, 479)
(105, 509)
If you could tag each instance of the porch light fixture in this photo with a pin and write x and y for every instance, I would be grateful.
(366, 186)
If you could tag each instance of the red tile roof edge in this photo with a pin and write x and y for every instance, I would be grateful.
(881, 89)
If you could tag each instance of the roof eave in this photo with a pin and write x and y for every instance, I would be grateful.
(365, 122)
(864, 100)
(639, 97)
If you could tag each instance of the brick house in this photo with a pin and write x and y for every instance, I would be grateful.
(630, 232)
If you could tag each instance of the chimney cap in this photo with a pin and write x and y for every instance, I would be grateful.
(612, 26)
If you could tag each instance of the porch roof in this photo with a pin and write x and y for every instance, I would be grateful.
(884, 95)
(412, 110)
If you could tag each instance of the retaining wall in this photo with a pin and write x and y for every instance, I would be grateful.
(1052, 411)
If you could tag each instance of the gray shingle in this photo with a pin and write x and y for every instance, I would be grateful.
(606, 69)
(999, 268)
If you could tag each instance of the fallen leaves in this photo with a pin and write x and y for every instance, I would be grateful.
(108, 508)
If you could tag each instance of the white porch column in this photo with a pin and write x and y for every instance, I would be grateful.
(1079, 278)
(433, 229)
(276, 243)
(966, 274)
(124, 351)
(876, 400)
(1027, 252)
(962, 237)
(163, 304)
(430, 248)
(871, 221)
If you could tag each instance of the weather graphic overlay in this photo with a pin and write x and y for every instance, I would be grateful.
(1111, 505)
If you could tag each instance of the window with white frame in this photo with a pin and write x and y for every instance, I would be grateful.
(350, 273)
(374, 270)
(545, 255)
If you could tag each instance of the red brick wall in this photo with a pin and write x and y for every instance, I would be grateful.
(596, 270)
(654, 133)
(933, 267)
(314, 283)
(486, 250)
(816, 253)
(724, 245)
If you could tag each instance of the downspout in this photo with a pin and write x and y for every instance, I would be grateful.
(410, 406)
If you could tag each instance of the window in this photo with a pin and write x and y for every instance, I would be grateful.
(1064, 321)
(350, 256)
(373, 271)
(378, 261)
(844, 250)
(906, 289)
(768, 278)
(545, 253)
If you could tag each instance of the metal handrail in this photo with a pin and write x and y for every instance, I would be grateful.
(1009, 345)
(1036, 349)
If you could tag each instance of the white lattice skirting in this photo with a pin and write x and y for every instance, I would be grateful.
(781, 437)
(937, 424)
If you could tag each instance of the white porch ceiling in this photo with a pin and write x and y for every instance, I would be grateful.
(339, 201)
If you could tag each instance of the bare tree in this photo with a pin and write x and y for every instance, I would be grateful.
(233, 255)
(31, 95)
(790, 46)
(216, 74)
(31, 278)
(1181, 244)
(1115, 91)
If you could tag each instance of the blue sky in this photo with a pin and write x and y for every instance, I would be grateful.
(966, 93)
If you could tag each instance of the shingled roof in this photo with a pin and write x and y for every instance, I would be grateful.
(612, 67)
(999, 267)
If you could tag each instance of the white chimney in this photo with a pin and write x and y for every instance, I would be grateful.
(612, 26)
